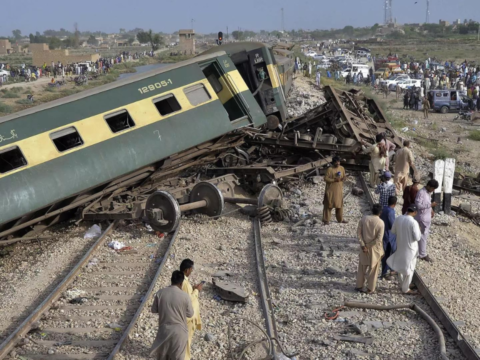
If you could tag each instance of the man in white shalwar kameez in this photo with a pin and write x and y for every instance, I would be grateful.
(404, 260)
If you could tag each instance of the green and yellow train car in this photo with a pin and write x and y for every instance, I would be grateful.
(55, 153)
(257, 65)
(285, 66)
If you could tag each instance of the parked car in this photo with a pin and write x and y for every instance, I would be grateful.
(395, 79)
(311, 54)
(407, 84)
(4, 74)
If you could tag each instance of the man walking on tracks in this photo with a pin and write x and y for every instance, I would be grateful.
(403, 161)
(389, 239)
(404, 259)
(173, 307)
(334, 192)
(425, 206)
(370, 235)
(195, 323)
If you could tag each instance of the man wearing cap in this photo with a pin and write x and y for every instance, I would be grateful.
(334, 192)
(409, 194)
(424, 204)
(386, 189)
(403, 161)
(404, 259)
(389, 239)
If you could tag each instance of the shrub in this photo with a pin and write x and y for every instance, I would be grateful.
(10, 95)
(474, 135)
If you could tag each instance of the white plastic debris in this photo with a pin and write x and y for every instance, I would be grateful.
(405, 129)
(93, 232)
(116, 245)
(74, 293)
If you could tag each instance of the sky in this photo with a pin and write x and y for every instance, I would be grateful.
(213, 16)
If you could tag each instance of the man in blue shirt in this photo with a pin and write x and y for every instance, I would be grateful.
(389, 239)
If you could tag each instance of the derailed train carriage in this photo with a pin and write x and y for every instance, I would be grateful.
(268, 73)
(58, 156)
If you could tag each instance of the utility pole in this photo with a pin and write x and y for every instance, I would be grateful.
(478, 34)
(191, 23)
(427, 18)
(283, 21)
(390, 11)
(386, 12)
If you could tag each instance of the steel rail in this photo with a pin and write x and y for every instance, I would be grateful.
(263, 282)
(465, 346)
(26, 325)
(146, 298)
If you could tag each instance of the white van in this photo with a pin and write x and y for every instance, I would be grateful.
(356, 69)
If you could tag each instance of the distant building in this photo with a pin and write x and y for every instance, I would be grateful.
(5, 47)
(457, 22)
(187, 41)
(444, 23)
(41, 54)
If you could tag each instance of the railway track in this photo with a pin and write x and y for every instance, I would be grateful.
(92, 312)
(435, 304)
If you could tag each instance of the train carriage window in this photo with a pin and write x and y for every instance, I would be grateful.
(11, 158)
(167, 104)
(119, 121)
(66, 139)
(197, 94)
(215, 82)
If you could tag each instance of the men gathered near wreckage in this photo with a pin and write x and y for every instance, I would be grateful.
(378, 155)
(404, 259)
(173, 307)
(370, 235)
(334, 179)
(193, 323)
(425, 206)
(403, 162)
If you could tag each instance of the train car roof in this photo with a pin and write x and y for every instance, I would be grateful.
(282, 52)
(112, 85)
(236, 47)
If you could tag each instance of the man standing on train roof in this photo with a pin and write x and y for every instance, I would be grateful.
(333, 199)
(317, 78)
(425, 206)
(195, 323)
(370, 235)
(173, 307)
(404, 260)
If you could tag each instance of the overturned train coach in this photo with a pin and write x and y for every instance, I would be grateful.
(57, 156)
(268, 73)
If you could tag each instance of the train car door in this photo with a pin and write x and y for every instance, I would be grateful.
(228, 88)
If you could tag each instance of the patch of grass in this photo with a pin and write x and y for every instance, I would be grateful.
(28, 90)
(434, 127)
(51, 89)
(15, 89)
(397, 123)
(10, 95)
(4, 108)
(441, 153)
(23, 102)
(393, 101)
(474, 135)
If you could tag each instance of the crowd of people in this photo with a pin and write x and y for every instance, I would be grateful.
(389, 245)
(54, 69)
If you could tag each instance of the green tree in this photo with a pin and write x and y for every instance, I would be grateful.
(131, 40)
(54, 43)
(122, 31)
(348, 30)
(237, 35)
(142, 37)
(92, 41)
(155, 40)
(17, 34)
